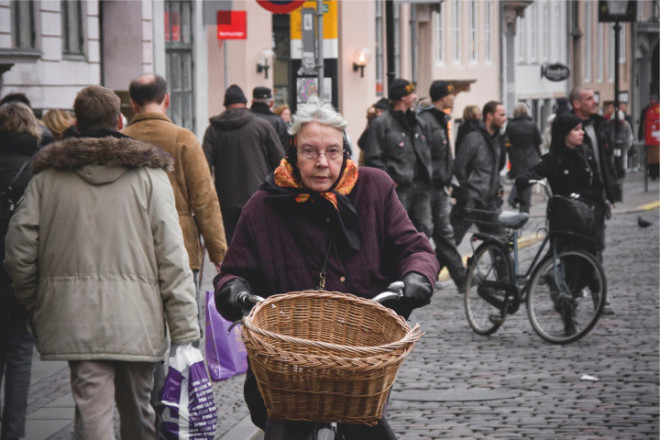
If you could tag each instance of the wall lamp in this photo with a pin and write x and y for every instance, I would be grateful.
(266, 55)
(361, 58)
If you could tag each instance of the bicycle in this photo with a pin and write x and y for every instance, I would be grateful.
(564, 291)
(314, 430)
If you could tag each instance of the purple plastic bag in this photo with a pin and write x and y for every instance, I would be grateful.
(226, 355)
(186, 409)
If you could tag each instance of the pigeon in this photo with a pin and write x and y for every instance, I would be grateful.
(643, 223)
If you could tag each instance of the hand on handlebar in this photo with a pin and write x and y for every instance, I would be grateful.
(417, 293)
(229, 301)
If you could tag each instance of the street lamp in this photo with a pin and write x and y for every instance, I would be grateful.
(265, 55)
(617, 11)
(361, 58)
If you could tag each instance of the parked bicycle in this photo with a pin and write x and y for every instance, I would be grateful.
(322, 404)
(564, 291)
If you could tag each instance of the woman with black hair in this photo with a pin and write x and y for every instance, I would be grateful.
(569, 168)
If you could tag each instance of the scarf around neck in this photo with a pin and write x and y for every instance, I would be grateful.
(283, 184)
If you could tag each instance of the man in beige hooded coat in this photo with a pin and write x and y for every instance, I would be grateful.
(96, 254)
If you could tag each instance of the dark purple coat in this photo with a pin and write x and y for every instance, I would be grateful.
(279, 249)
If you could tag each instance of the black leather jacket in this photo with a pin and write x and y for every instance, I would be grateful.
(398, 146)
(441, 156)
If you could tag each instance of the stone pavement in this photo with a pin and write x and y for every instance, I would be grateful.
(510, 385)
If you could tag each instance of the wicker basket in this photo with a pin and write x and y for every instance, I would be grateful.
(323, 356)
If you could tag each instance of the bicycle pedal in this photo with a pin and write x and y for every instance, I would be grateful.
(496, 319)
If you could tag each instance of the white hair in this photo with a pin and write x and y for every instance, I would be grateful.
(317, 111)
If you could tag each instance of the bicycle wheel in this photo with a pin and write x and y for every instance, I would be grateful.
(484, 301)
(566, 296)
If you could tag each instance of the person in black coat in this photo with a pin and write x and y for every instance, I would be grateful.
(20, 135)
(524, 152)
(569, 168)
(262, 102)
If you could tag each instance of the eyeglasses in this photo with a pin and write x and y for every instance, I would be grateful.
(332, 153)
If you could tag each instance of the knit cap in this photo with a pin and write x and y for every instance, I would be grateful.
(399, 88)
(440, 89)
(234, 95)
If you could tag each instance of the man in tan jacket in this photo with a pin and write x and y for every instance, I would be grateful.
(194, 192)
(96, 255)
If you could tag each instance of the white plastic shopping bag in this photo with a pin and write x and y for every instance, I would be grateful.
(186, 410)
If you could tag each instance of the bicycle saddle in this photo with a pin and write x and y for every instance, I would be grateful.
(512, 219)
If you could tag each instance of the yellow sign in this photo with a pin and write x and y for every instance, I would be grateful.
(330, 28)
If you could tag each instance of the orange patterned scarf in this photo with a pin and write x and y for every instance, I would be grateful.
(285, 178)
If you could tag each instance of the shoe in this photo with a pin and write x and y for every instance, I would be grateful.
(608, 310)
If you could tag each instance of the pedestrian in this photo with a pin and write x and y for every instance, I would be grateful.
(547, 135)
(323, 215)
(477, 169)
(596, 139)
(96, 255)
(194, 194)
(398, 146)
(437, 120)
(373, 112)
(620, 138)
(284, 112)
(262, 102)
(19, 139)
(46, 135)
(58, 121)
(524, 152)
(241, 150)
(648, 134)
(471, 120)
(562, 106)
(571, 168)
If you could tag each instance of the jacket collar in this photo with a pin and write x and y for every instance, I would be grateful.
(101, 148)
(260, 107)
(149, 116)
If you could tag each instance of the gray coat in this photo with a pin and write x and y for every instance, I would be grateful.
(477, 165)
(96, 253)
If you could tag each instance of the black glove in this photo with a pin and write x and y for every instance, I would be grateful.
(226, 299)
(417, 290)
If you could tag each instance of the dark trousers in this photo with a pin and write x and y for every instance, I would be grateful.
(15, 362)
(443, 236)
(524, 199)
(462, 218)
(416, 200)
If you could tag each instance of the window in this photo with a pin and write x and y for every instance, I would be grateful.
(456, 31)
(586, 49)
(179, 62)
(521, 39)
(488, 32)
(472, 26)
(379, 49)
(611, 64)
(545, 24)
(23, 35)
(72, 29)
(532, 23)
(439, 32)
(397, 40)
(556, 42)
(600, 66)
(622, 43)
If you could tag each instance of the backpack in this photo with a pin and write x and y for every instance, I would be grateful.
(7, 198)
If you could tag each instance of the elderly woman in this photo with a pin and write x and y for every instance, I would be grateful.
(318, 222)
(20, 135)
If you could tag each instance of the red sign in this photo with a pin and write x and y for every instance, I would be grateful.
(652, 135)
(232, 25)
(280, 6)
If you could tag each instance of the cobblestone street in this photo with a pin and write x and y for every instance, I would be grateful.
(457, 384)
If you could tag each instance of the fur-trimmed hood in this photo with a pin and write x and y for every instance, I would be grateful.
(101, 159)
